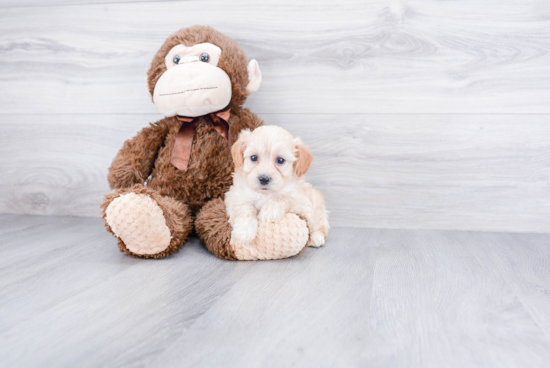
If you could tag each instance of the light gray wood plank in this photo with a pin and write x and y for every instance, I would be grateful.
(58, 163)
(400, 298)
(63, 274)
(42, 3)
(474, 172)
(383, 298)
(379, 56)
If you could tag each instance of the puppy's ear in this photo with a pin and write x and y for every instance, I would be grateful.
(304, 157)
(238, 148)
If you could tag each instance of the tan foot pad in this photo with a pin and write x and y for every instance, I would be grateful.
(139, 222)
(282, 239)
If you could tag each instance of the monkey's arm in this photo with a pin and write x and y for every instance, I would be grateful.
(134, 162)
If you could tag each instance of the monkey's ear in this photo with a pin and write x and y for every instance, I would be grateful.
(304, 157)
(254, 76)
(238, 148)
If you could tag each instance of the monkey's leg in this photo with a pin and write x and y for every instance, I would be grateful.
(146, 224)
(275, 240)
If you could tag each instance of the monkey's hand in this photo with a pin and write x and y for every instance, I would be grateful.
(135, 160)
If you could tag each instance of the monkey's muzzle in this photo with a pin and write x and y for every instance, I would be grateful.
(192, 89)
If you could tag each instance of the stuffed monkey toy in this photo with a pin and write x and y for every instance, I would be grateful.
(172, 176)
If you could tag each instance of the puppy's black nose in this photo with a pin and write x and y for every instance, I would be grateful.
(264, 179)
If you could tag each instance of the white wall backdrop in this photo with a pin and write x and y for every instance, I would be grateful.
(420, 114)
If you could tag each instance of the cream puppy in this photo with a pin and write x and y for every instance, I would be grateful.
(269, 181)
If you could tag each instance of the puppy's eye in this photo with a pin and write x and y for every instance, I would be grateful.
(177, 59)
(254, 158)
(205, 57)
(280, 161)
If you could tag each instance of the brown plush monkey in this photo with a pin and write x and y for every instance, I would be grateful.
(172, 175)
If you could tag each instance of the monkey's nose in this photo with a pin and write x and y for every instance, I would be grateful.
(264, 179)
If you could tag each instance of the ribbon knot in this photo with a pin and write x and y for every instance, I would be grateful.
(184, 140)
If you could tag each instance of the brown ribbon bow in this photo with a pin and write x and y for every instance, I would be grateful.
(184, 140)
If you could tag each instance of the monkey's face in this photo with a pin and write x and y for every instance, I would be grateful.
(204, 72)
(193, 84)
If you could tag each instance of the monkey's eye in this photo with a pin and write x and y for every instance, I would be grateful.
(280, 161)
(177, 59)
(254, 158)
(205, 57)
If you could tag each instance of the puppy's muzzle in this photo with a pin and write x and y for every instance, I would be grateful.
(264, 179)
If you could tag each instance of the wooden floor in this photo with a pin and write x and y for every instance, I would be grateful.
(368, 298)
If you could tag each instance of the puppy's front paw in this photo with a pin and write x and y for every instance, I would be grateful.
(245, 231)
(316, 240)
(271, 213)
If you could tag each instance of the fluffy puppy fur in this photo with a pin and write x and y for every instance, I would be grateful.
(269, 181)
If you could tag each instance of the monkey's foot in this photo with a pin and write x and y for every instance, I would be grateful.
(275, 240)
(139, 222)
(146, 223)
